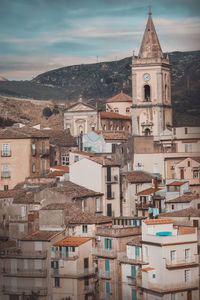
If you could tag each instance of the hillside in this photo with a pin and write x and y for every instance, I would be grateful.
(97, 82)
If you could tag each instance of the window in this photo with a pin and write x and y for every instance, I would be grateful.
(33, 168)
(147, 132)
(5, 171)
(84, 228)
(107, 289)
(174, 130)
(155, 168)
(76, 158)
(57, 282)
(186, 130)
(108, 243)
(133, 294)
(97, 204)
(133, 273)
(72, 249)
(86, 283)
(196, 174)
(188, 163)
(43, 147)
(86, 264)
(116, 110)
(188, 147)
(173, 296)
(187, 275)
(107, 267)
(147, 93)
(5, 149)
(154, 276)
(65, 160)
(172, 206)
(137, 251)
(187, 255)
(33, 150)
(43, 166)
(87, 149)
(173, 256)
(109, 210)
(5, 187)
(128, 109)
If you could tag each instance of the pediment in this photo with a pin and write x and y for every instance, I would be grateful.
(79, 107)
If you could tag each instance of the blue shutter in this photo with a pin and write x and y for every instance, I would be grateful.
(134, 295)
(133, 271)
(106, 243)
(137, 251)
(110, 244)
(107, 287)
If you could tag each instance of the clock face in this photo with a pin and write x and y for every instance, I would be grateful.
(146, 77)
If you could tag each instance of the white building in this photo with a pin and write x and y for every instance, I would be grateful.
(173, 270)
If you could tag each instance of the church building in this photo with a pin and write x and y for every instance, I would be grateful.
(151, 86)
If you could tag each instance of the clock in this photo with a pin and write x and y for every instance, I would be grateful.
(147, 77)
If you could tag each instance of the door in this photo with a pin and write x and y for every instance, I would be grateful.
(189, 295)
(108, 173)
(182, 173)
(107, 267)
(195, 223)
(109, 210)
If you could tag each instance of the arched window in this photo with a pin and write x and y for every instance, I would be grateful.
(166, 95)
(116, 110)
(128, 109)
(147, 93)
(147, 132)
(104, 127)
(80, 129)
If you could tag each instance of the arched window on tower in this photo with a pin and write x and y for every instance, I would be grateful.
(147, 132)
(147, 93)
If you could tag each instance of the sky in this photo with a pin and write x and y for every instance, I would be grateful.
(40, 35)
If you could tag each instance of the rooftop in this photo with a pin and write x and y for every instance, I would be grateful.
(22, 133)
(104, 161)
(147, 269)
(148, 191)
(188, 212)
(137, 176)
(121, 97)
(40, 235)
(112, 115)
(115, 135)
(61, 137)
(136, 241)
(60, 168)
(56, 173)
(157, 221)
(72, 241)
(177, 183)
(184, 198)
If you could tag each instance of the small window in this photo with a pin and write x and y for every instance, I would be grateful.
(72, 249)
(65, 160)
(154, 276)
(174, 131)
(5, 187)
(84, 229)
(33, 168)
(76, 158)
(57, 282)
(116, 110)
(86, 283)
(147, 93)
(172, 206)
(128, 109)
(198, 205)
(186, 130)
(196, 175)
(187, 275)
(188, 163)
(5, 150)
(33, 149)
(5, 171)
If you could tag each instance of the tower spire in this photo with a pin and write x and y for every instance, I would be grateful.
(150, 47)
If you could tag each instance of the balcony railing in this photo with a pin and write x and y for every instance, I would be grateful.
(138, 259)
(110, 195)
(24, 273)
(117, 232)
(11, 290)
(104, 296)
(6, 153)
(67, 273)
(104, 252)
(111, 179)
(104, 274)
(176, 286)
(131, 280)
(178, 263)
(24, 254)
(5, 174)
(65, 256)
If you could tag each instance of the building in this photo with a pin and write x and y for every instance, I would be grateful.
(173, 268)
(114, 121)
(120, 103)
(24, 153)
(151, 86)
(102, 176)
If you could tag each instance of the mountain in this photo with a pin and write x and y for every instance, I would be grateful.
(97, 82)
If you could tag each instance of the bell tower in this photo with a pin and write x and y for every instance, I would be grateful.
(151, 86)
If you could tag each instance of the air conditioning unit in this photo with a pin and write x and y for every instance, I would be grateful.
(98, 238)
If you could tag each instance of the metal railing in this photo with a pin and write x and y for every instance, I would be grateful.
(182, 262)
(104, 274)
(5, 174)
(25, 273)
(23, 254)
(11, 290)
(64, 272)
(164, 287)
(65, 256)
(6, 153)
(104, 252)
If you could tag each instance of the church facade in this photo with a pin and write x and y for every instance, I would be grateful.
(151, 86)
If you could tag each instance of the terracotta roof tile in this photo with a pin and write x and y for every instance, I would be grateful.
(104, 161)
(84, 153)
(186, 230)
(137, 176)
(40, 235)
(112, 115)
(147, 269)
(61, 168)
(148, 191)
(177, 183)
(115, 135)
(121, 97)
(72, 241)
(188, 212)
(184, 199)
(61, 137)
(55, 173)
(157, 221)
(10, 193)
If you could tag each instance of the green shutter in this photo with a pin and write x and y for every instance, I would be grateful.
(134, 295)
(133, 271)
(107, 265)
(137, 251)
(106, 243)
(107, 287)
(110, 244)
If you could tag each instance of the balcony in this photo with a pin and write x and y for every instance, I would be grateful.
(104, 252)
(184, 263)
(138, 260)
(5, 153)
(104, 274)
(5, 174)
(173, 287)
(111, 195)
(65, 256)
(77, 274)
(131, 280)
(111, 179)
(25, 254)
(25, 273)
(89, 289)
(11, 290)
